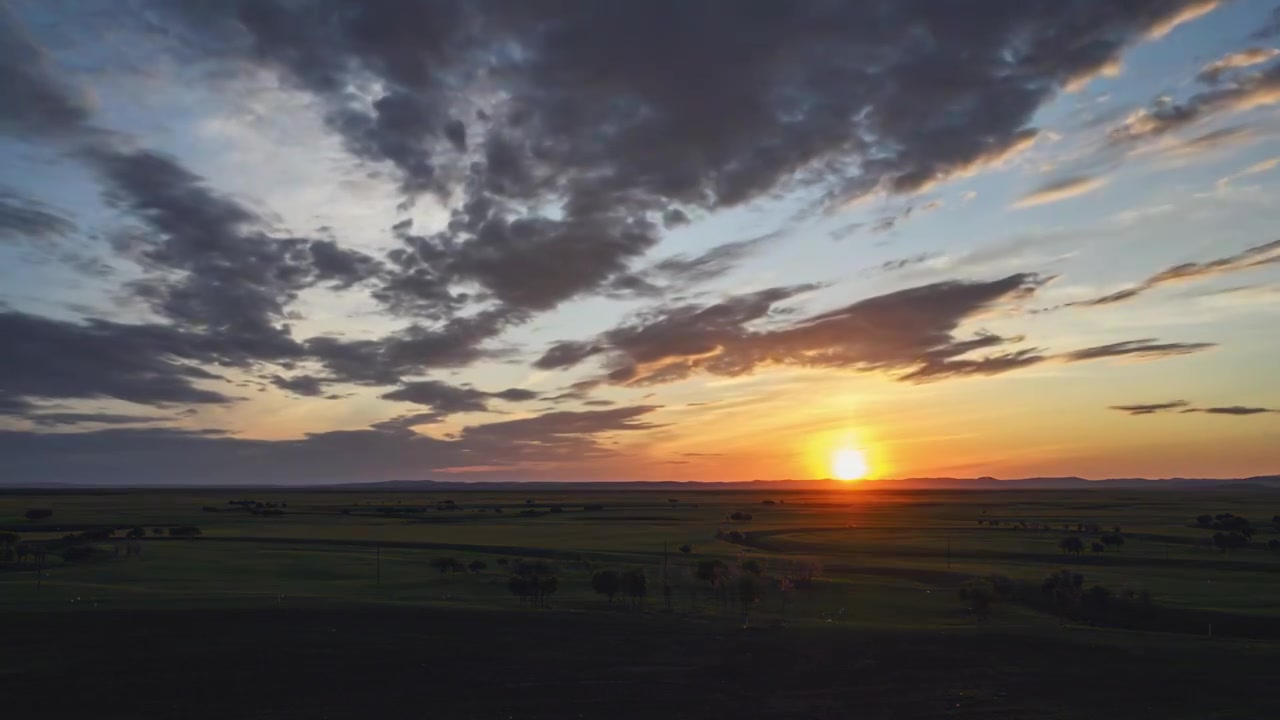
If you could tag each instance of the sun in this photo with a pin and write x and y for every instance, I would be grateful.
(849, 464)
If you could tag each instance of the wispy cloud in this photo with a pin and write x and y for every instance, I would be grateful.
(1059, 190)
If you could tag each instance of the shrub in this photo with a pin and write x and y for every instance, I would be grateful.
(183, 531)
(79, 553)
(740, 516)
(38, 514)
(592, 507)
(606, 582)
(476, 566)
(686, 548)
(1071, 545)
(557, 509)
(751, 567)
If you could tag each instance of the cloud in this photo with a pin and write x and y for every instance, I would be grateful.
(388, 451)
(1060, 190)
(446, 399)
(1254, 169)
(305, 385)
(1146, 349)
(906, 262)
(1269, 29)
(1243, 93)
(24, 219)
(1182, 406)
(1248, 57)
(1151, 408)
(72, 418)
(1232, 410)
(1254, 257)
(1186, 13)
(145, 364)
(37, 103)
(911, 331)
(519, 107)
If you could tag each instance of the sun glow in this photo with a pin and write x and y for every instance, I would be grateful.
(849, 464)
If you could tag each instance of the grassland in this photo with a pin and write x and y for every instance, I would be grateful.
(343, 581)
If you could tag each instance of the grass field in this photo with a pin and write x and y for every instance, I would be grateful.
(343, 580)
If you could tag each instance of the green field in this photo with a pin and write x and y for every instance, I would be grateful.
(882, 602)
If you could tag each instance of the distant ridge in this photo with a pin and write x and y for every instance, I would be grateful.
(1271, 482)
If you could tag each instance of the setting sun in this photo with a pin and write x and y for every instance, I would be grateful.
(849, 464)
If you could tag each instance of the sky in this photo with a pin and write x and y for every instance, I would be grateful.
(295, 241)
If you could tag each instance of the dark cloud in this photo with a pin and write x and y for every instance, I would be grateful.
(446, 399)
(146, 364)
(910, 330)
(583, 117)
(388, 451)
(906, 262)
(22, 218)
(306, 385)
(1147, 348)
(1151, 408)
(1269, 29)
(1232, 410)
(36, 103)
(72, 418)
(1254, 257)
(1182, 407)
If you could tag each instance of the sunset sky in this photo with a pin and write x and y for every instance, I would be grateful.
(335, 241)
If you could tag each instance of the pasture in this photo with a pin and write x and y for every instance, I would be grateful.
(770, 603)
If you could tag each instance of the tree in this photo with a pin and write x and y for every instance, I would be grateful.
(136, 533)
(444, 565)
(751, 567)
(1273, 545)
(1229, 541)
(740, 516)
(634, 585)
(686, 548)
(183, 531)
(519, 586)
(980, 596)
(1204, 521)
(23, 550)
(714, 573)
(476, 566)
(1064, 588)
(747, 588)
(38, 514)
(1113, 540)
(607, 583)
(1098, 547)
(1071, 545)
(157, 531)
(673, 501)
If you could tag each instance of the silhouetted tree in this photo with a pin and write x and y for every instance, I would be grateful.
(1065, 589)
(476, 566)
(607, 583)
(557, 509)
(1273, 545)
(136, 533)
(519, 586)
(22, 551)
(1071, 545)
(634, 585)
(713, 572)
(38, 514)
(184, 531)
(1112, 540)
(1229, 541)
(747, 588)
(1115, 529)
(444, 565)
(1098, 547)
(503, 562)
(686, 549)
(157, 531)
(740, 516)
(1204, 521)
(751, 567)
(979, 594)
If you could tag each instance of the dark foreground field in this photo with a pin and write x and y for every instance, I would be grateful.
(815, 604)
(457, 663)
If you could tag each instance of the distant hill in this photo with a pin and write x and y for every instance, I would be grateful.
(944, 483)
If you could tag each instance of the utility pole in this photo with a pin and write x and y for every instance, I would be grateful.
(378, 551)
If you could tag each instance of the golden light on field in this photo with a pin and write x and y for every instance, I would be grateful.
(849, 464)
